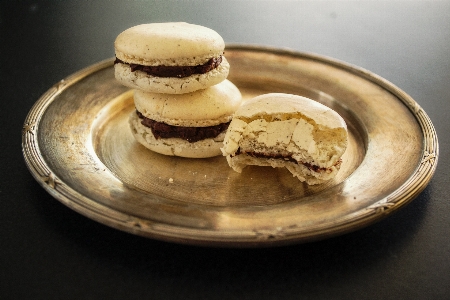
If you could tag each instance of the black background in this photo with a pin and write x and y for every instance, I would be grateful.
(48, 251)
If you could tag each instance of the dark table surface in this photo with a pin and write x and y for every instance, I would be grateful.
(48, 251)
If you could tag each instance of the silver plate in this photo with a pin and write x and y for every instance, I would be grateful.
(78, 146)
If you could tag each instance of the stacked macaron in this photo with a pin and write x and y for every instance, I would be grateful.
(184, 103)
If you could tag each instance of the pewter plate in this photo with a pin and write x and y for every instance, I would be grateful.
(78, 146)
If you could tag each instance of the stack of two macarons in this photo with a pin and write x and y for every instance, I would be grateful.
(178, 71)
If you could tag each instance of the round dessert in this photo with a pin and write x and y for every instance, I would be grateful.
(173, 58)
(188, 125)
(283, 130)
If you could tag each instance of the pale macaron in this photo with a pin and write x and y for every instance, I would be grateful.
(172, 58)
(198, 113)
(284, 130)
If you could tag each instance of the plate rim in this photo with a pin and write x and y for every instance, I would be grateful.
(407, 192)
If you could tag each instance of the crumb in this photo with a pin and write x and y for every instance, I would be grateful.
(171, 180)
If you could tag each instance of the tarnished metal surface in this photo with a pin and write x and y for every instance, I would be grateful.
(78, 146)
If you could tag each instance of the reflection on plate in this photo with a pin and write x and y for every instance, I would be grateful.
(78, 146)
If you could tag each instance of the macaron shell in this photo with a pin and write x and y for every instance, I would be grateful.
(303, 173)
(206, 107)
(279, 104)
(147, 43)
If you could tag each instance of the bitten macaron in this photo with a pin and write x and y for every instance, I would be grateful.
(187, 125)
(170, 58)
(291, 131)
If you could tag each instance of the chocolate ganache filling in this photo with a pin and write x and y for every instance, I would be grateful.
(190, 134)
(311, 167)
(175, 71)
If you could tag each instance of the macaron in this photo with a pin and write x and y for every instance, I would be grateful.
(291, 131)
(187, 125)
(173, 58)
